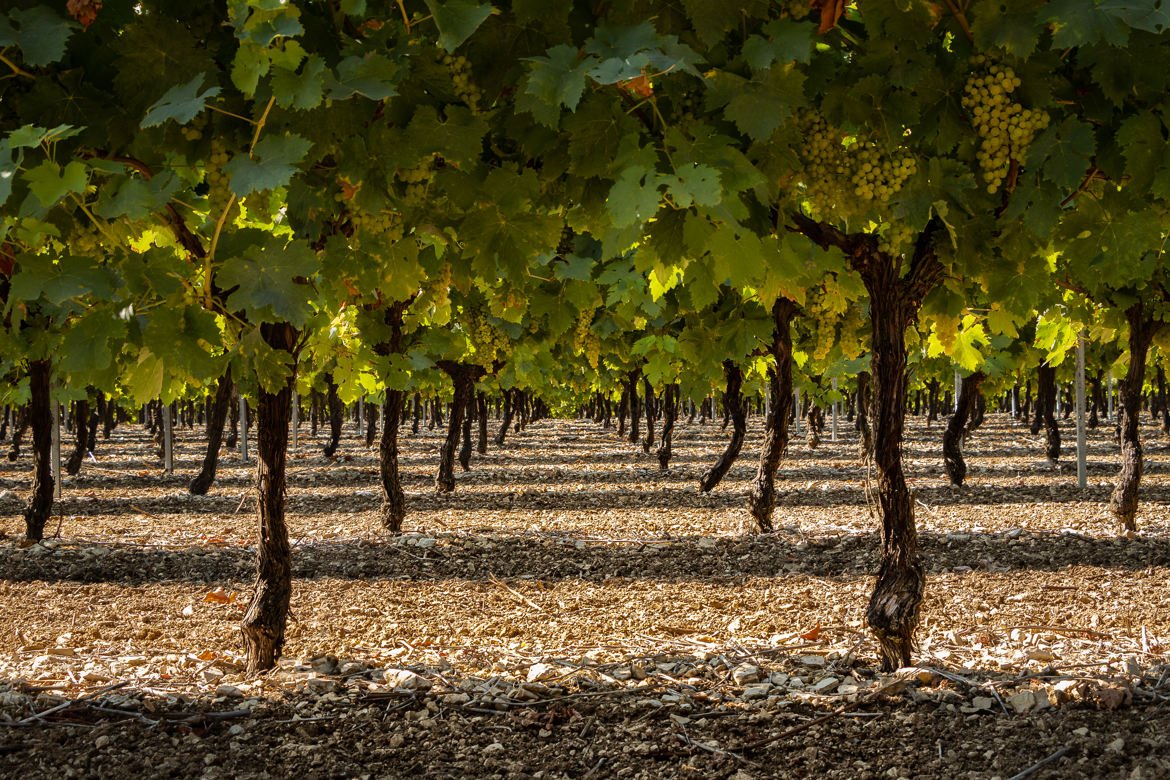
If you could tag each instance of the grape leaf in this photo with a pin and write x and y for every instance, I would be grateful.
(1075, 22)
(1012, 26)
(787, 41)
(272, 165)
(180, 103)
(50, 183)
(762, 104)
(559, 78)
(632, 199)
(373, 75)
(264, 274)
(69, 277)
(42, 35)
(457, 20)
(299, 90)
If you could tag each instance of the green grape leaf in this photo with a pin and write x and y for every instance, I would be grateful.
(787, 40)
(558, 79)
(248, 66)
(272, 165)
(180, 103)
(42, 35)
(69, 277)
(373, 76)
(737, 258)
(694, 184)
(632, 199)
(457, 20)
(1153, 16)
(50, 183)
(1075, 23)
(85, 347)
(762, 104)
(264, 274)
(272, 366)
(1064, 151)
(136, 198)
(1012, 26)
(1001, 321)
(144, 378)
(302, 90)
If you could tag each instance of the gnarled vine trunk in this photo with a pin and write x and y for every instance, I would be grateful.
(40, 418)
(393, 509)
(219, 412)
(1123, 503)
(463, 376)
(1046, 410)
(336, 412)
(267, 615)
(505, 417)
(864, 432)
(952, 443)
(669, 415)
(762, 496)
(733, 402)
(81, 434)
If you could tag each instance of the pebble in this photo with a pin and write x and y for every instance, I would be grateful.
(541, 671)
(1023, 701)
(753, 692)
(101, 741)
(1116, 745)
(824, 684)
(407, 680)
(812, 660)
(230, 691)
(495, 747)
(745, 674)
(321, 685)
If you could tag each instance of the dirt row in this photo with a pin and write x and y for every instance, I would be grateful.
(572, 611)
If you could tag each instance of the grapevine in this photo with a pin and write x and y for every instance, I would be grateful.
(219, 192)
(585, 341)
(416, 181)
(385, 226)
(1005, 127)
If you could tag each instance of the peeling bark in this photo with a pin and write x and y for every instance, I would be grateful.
(762, 495)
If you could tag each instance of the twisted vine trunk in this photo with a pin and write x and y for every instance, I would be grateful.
(762, 496)
(953, 461)
(1046, 410)
(219, 412)
(669, 415)
(267, 614)
(505, 417)
(81, 434)
(466, 446)
(733, 403)
(333, 403)
(18, 431)
(481, 413)
(864, 432)
(635, 408)
(648, 404)
(393, 509)
(895, 604)
(463, 376)
(40, 417)
(1123, 503)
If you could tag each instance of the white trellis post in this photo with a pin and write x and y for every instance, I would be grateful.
(833, 433)
(958, 386)
(55, 456)
(168, 439)
(243, 427)
(1082, 470)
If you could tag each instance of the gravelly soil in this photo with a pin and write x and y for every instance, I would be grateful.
(571, 611)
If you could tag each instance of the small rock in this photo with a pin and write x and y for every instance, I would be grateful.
(923, 676)
(753, 692)
(426, 542)
(495, 747)
(958, 537)
(1081, 732)
(406, 680)
(236, 730)
(212, 674)
(982, 702)
(320, 685)
(812, 660)
(101, 741)
(188, 611)
(824, 684)
(229, 691)
(1116, 745)
(456, 699)
(745, 674)
(324, 664)
(707, 543)
(1023, 701)
(1041, 654)
(397, 741)
(541, 671)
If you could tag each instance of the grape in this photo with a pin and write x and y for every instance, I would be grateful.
(218, 183)
(465, 88)
(417, 181)
(1005, 127)
(848, 179)
(585, 341)
(384, 226)
(894, 239)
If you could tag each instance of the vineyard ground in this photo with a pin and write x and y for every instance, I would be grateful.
(570, 611)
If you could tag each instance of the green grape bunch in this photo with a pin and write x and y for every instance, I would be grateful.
(1004, 126)
(895, 238)
(849, 178)
(466, 89)
(585, 341)
(219, 192)
(385, 226)
(441, 286)
(85, 240)
(416, 181)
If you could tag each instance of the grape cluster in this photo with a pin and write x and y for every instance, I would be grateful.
(1005, 127)
(194, 130)
(685, 109)
(795, 9)
(385, 226)
(895, 238)
(85, 240)
(585, 341)
(441, 286)
(487, 341)
(465, 88)
(219, 191)
(416, 180)
(847, 179)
